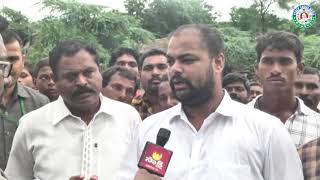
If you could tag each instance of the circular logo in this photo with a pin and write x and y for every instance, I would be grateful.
(304, 16)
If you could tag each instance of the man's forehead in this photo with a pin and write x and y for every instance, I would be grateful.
(190, 40)
(155, 60)
(126, 57)
(235, 83)
(308, 78)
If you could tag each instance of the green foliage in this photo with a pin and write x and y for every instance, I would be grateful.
(239, 48)
(248, 19)
(316, 27)
(311, 54)
(163, 16)
(18, 22)
(70, 19)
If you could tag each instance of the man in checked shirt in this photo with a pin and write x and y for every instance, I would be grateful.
(279, 61)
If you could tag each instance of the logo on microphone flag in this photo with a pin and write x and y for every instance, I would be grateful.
(155, 159)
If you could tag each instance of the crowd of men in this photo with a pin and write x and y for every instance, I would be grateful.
(65, 118)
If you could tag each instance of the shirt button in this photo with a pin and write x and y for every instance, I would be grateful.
(7, 133)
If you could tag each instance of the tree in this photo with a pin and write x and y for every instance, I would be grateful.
(18, 22)
(163, 16)
(106, 29)
(239, 49)
(311, 55)
(263, 7)
(247, 19)
(135, 7)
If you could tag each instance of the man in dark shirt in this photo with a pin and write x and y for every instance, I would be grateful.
(17, 99)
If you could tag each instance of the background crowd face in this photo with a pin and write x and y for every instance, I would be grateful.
(237, 91)
(16, 58)
(166, 99)
(191, 69)
(255, 90)
(25, 78)
(78, 80)
(307, 87)
(3, 57)
(45, 83)
(120, 88)
(154, 71)
(129, 62)
(278, 69)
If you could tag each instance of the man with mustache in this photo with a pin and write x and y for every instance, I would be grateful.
(237, 86)
(18, 99)
(306, 87)
(212, 136)
(154, 70)
(43, 78)
(279, 62)
(80, 135)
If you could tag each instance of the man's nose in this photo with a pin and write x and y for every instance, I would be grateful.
(81, 80)
(276, 69)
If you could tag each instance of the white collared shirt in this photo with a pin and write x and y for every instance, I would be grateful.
(53, 144)
(236, 142)
(303, 125)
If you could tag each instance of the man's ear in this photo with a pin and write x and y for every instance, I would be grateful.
(100, 67)
(300, 68)
(255, 67)
(23, 58)
(219, 62)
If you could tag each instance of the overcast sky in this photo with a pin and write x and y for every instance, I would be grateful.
(31, 8)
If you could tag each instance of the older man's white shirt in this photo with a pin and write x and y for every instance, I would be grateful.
(236, 142)
(52, 144)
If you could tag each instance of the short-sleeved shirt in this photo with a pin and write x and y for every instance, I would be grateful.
(303, 125)
(24, 100)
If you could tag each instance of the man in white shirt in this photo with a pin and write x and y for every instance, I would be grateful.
(212, 136)
(82, 134)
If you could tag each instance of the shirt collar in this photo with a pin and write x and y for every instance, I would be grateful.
(20, 91)
(61, 111)
(223, 109)
(301, 108)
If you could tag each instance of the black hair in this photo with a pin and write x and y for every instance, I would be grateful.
(123, 72)
(121, 51)
(236, 77)
(311, 70)
(70, 48)
(42, 63)
(280, 40)
(210, 36)
(29, 67)
(9, 36)
(151, 52)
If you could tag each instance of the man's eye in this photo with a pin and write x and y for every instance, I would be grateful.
(23, 75)
(312, 86)
(117, 87)
(88, 73)
(133, 64)
(147, 68)
(187, 60)
(162, 66)
(13, 59)
(170, 61)
(298, 85)
(120, 63)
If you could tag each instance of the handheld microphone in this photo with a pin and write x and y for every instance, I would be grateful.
(155, 158)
